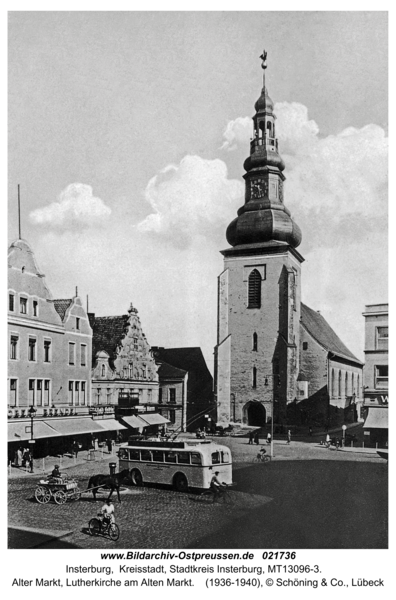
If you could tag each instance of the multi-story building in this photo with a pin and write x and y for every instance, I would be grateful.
(375, 374)
(50, 347)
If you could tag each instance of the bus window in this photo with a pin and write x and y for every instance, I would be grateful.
(170, 457)
(123, 454)
(183, 458)
(195, 458)
(146, 455)
(225, 457)
(158, 455)
(215, 458)
(134, 455)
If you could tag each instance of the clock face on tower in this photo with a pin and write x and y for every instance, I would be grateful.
(258, 188)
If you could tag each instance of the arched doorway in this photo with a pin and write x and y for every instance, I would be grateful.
(254, 413)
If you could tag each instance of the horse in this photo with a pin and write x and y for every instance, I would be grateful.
(109, 481)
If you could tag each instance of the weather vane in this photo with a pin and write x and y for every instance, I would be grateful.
(263, 58)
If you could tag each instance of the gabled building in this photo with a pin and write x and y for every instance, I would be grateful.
(122, 362)
(186, 387)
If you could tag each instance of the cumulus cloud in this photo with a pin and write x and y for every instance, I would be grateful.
(76, 207)
(192, 198)
(237, 132)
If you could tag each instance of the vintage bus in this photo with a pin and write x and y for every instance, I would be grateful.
(182, 464)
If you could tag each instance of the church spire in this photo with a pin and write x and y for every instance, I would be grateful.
(264, 217)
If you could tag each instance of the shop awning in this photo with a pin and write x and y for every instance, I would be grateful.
(377, 418)
(135, 422)
(70, 426)
(20, 431)
(110, 424)
(153, 419)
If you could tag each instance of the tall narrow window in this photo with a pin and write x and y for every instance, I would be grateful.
(11, 304)
(339, 385)
(358, 386)
(346, 384)
(83, 355)
(46, 392)
(382, 338)
(332, 392)
(254, 289)
(77, 323)
(13, 393)
(70, 393)
(160, 396)
(254, 377)
(353, 384)
(130, 371)
(14, 347)
(77, 392)
(47, 351)
(39, 385)
(32, 397)
(255, 342)
(82, 396)
(172, 395)
(35, 308)
(172, 416)
(32, 349)
(103, 371)
(23, 306)
(72, 353)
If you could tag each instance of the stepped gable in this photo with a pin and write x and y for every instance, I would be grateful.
(61, 306)
(320, 330)
(107, 334)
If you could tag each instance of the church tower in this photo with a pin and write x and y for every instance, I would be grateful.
(257, 351)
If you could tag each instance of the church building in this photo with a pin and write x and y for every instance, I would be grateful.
(261, 368)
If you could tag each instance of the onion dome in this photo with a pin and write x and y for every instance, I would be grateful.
(264, 218)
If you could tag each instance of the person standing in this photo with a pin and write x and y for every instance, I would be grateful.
(328, 440)
(269, 438)
(288, 436)
(257, 437)
(76, 448)
(251, 436)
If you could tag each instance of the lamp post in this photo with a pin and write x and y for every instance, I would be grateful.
(32, 413)
(273, 375)
(343, 435)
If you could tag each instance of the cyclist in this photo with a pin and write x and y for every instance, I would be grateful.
(215, 485)
(107, 511)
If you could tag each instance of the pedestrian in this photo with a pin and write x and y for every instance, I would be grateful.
(288, 436)
(328, 440)
(251, 435)
(25, 456)
(257, 437)
(109, 445)
(337, 444)
(269, 438)
(75, 448)
(20, 456)
(310, 430)
(28, 461)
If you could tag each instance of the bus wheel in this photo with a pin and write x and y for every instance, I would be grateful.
(180, 482)
(136, 477)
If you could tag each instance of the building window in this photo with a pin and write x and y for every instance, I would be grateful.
(47, 351)
(46, 392)
(358, 386)
(339, 384)
(23, 306)
(172, 395)
(83, 355)
(13, 397)
(160, 396)
(32, 396)
(32, 349)
(305, 345)
(103, 371)
(77, 323)
(382, 338)
(254, 377)
(39, 388)
(254, 342)
(14, 347)
(172, 416)
(381, 377)
(254, 289)
(11, 304)
(82, 396)
(72, 353)
(130, 371)
(35, 308)
(77, 392)
(70, 393)
(332, 392)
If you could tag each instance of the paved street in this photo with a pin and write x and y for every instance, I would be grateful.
(307, 497)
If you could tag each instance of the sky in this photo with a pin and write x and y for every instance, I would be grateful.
(128, 132)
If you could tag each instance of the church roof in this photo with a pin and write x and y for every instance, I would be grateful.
(321, 331)
(108, 333)
(61, 306)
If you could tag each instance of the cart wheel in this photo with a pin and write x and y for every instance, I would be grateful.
(114, 532)
(60, 497)
(94, 526)
(40, 494)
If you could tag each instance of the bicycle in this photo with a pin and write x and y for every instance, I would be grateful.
(104, 527)
(223, 495)
(262, 457)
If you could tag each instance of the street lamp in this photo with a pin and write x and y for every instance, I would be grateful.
(343, 435)
(272, 407)
(32, 412)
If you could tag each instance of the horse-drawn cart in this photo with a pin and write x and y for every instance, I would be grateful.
(60, 490)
